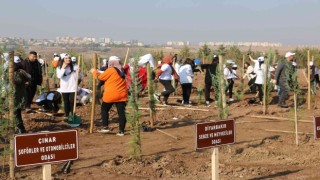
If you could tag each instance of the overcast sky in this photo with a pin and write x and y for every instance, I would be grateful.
(292, 22)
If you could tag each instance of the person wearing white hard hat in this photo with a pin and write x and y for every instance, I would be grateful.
(281, 78)
(32, 67)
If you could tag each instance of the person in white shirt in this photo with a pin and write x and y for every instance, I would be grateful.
(260, 72)
(67, 73)
(251, 77)
(229, 75)
(164, 74)
(256, 61)
(186, 75)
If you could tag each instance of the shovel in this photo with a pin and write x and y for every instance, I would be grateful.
(74, 120)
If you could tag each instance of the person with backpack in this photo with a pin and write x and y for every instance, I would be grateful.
(164, 75)
(185, 73)
(211, 71)
(115, 93)
(21, 78)
(67, 73)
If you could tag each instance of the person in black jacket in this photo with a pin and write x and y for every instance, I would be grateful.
(20, 79)
(211, 70)
(32, 67)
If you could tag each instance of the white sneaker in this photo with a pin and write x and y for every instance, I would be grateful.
(208, 103)
(157, 97)
(104, 130)
(120, 134)
(231, 100)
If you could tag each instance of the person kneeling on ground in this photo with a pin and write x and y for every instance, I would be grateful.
(115, 92)
(84, 96)
(49, 101)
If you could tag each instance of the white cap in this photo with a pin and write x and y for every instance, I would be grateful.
(55, 54)
(230, 61)
(261, 59)
(16, 59)
(311, 63)
(56, 58)
(73, 59)
(148, 58)
(114, 58)
(288, 54)
(63, 55)
(294, 63)
(41, 61)
(6, 56)
(104, 61)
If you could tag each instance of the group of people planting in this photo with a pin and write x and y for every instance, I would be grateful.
(116, 81)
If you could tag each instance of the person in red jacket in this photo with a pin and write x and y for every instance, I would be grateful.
(142, 75)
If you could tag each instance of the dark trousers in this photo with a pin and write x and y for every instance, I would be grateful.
(30, 92)
(207, 88)
(68, 101)
(186, 92)
(284, 92)
(168, 89)
(20, 125)
(316, 77)
(121, 108)
(51, 105)
(260, 91)
(230, 87)
(252, 85)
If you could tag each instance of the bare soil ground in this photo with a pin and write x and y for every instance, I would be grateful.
(257, 154)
